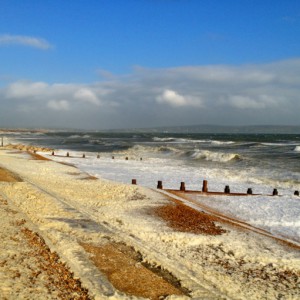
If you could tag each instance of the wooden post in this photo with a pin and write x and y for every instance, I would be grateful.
(83, 155)
(68, 154)
(296, 193)
(182, 186)
(275, 192)
(204, 186)
(98, 156)
(2, 143)
(249, 191)
(227, 189)
(126, 158)
(141, 158)
(113, 157)
(133, 181)
(159, 185)
(52, 153)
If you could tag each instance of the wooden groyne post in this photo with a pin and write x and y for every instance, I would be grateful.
(159, 185)
(227, 189)
(133, 181)
(275, 192)
(204, 186)
(182, 186)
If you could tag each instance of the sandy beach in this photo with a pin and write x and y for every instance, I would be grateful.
(68, 235)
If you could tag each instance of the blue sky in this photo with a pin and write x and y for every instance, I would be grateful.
(140, 63)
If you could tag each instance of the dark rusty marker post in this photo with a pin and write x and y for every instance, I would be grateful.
(227, 189)
(52, 153)
(133, 181)
(249, 191)
(159, 185)
(98, 156)
(204, 186)
(182, 186)
(68, 154)
(83, 155)
(126, 158)
(275, 192)
(296, 193)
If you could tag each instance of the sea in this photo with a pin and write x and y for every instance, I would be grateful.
(262, 162)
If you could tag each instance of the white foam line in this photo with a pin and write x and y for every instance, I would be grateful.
(240, 223)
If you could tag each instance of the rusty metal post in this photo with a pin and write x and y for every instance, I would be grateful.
(227, 189)
(83, 155)
(113, 157)
(141, 158)
(204, 186)
(52, 153)
(133, 181)
(249, 191)
(68, 154)
(275, 192)
(126, 158)
(98, 156)
(182, 186)
(159, 185)
(296, 193)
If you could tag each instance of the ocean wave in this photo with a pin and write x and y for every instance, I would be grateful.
(181, 140)
(222, 142)
(213, 156)
(167, 139)
(148, 150)
(77, 136)
(297, 149)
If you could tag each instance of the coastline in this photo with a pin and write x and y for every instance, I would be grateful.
(70, 211)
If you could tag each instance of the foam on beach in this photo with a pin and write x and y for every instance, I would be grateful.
(70, 209)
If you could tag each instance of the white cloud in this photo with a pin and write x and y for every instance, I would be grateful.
(257, 102)
(61, 105)
(176, 100)
(154, 97)
(86, 95)
(172, 98)
(7, 39)
(24, 89)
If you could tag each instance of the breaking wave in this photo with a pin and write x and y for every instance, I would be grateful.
(213, 156)
(297, 149)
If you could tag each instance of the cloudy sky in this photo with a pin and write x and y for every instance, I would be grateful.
(101, 64)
